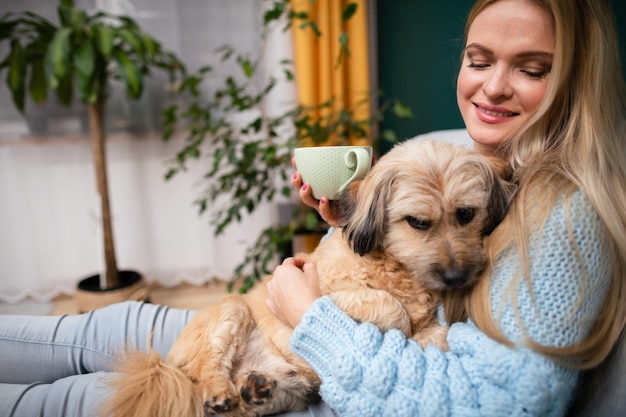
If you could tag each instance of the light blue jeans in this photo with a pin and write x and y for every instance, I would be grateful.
(57, 366)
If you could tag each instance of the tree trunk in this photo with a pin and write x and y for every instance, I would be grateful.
(96, 123)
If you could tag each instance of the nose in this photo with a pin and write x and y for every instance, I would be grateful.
(454, 277)
(498, 84)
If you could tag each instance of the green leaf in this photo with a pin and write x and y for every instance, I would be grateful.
(17, 66)
(16, 74)
(133, 40)
(129, 23)
(70, 17)
(7, 27)
(315, 29)
(273, 14)
(65, 91)
(78, 18)
(226, 52)
(390, 136)
(170, 173)
(103, 37)
(343, 48)
(38, 87)
(150, 45)
(130, 72)
(82, 86)
(311, 220)
(58, 55)
(402, 111)
(349, 11)
(85, 58)
(247, 67)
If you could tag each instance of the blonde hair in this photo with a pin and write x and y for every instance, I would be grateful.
(575, 139)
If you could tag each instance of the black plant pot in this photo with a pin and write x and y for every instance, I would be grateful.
(89, 295)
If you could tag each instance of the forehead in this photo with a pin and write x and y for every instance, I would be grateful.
(429, 193)
(511, 27)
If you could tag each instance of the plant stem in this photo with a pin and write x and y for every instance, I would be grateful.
(96, 123)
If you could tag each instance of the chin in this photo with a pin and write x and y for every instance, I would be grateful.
(488, 137)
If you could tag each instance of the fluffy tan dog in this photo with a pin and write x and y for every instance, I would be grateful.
(414, 226)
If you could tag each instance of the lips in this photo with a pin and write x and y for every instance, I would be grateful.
(493, 114)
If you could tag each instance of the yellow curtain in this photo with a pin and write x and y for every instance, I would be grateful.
(318, 77)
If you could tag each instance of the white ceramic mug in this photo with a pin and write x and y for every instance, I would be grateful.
(329, 169)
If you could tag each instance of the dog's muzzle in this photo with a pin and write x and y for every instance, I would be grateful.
(454, 277)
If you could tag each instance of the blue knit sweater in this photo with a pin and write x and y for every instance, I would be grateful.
(368, 373)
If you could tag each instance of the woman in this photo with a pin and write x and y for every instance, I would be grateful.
(540, 85)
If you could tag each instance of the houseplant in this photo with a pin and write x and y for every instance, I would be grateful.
(249, 150)
(80, 57)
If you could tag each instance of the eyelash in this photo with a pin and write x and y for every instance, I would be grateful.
(536, 75)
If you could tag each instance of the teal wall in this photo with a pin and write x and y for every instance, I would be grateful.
(419, 50)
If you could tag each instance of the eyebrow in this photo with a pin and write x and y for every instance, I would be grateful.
(525, 54)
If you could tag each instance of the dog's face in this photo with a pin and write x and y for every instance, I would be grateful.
(429, 205)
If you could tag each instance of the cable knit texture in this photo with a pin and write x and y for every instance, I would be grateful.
(367, 373)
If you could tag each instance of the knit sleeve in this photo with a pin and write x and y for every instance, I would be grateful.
(368, 373)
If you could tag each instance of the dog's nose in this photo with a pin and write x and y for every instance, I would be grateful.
(454, 277)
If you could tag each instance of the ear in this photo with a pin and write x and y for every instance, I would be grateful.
(363, 207)
(502, 190)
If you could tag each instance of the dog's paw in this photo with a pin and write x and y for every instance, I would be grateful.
(256, 389)
(219, 401)
(435, 335)
(219, 405)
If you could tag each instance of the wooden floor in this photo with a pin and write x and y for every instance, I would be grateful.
(182, 296)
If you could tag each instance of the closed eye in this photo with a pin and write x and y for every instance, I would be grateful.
(419, 224)
(464, 215)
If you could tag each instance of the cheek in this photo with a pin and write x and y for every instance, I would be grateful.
(467, 85)
(531, 94)
(463, 86)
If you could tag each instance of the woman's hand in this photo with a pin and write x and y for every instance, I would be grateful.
(323, 206)
(292, 290)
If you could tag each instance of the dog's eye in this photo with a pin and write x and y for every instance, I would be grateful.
(418, 224)
(464, 215)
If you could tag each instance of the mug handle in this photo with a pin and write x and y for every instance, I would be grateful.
(359, 160)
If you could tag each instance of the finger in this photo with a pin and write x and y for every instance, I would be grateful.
(289, 261)
(307, 197)
(293, 162)
(309, 267)
(296, 180)
(310, 273)
(326, 210)
(299, 263)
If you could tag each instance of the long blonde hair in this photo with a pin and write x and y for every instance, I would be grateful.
(575, 139)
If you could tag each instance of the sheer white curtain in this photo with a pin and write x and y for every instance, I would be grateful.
(49, 232)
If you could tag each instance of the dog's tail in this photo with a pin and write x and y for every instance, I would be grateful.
(145, 385)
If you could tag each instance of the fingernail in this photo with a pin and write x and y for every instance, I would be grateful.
(304, 187)
(295, 176)
(323, 200)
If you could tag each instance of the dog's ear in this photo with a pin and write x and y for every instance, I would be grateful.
(363, 208)
(502, 190)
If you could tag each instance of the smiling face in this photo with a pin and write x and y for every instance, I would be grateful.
(505, 70)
